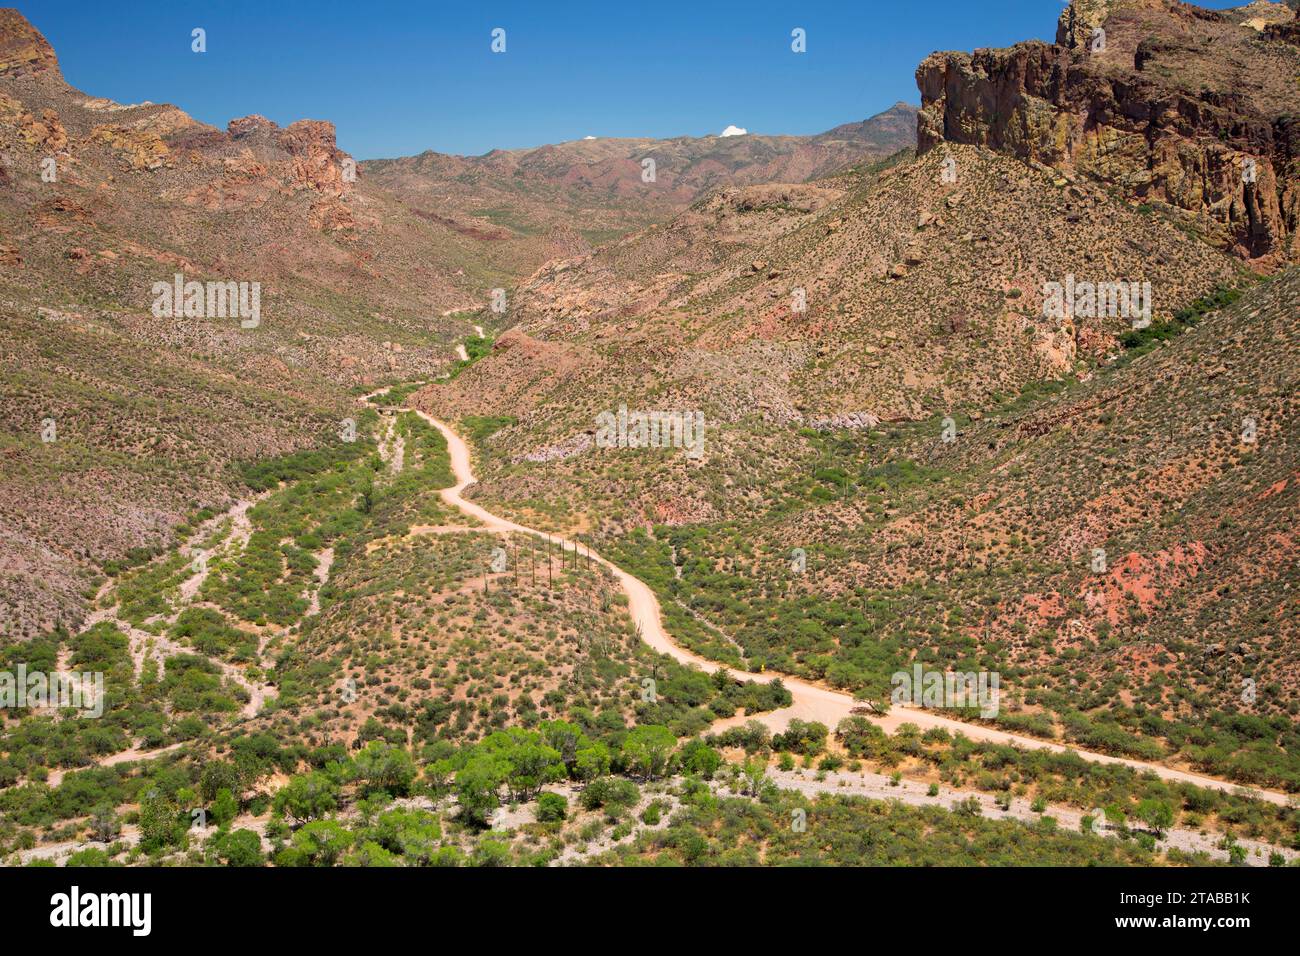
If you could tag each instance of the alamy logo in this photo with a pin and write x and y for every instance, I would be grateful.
(80, 691)
(208, 300)
(103, 909)
(923, 688)
(1093, 300)
(672, 429)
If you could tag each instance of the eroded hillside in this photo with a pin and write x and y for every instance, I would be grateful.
(119, 423)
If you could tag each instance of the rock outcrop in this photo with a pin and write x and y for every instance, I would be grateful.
(317, 161)
(44, 132)
(1169, 103)
(23, 51)
(138, 149)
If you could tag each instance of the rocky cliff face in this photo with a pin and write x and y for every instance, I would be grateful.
(23, 51)
(1170, 103)
(40, 112)
(317, 161)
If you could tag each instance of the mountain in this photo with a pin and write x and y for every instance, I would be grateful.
(563, 199)
(1169, 103)
(920, 297)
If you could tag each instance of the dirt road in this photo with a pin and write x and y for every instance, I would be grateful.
(811, 701)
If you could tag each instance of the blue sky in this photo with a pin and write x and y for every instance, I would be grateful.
(400, 77)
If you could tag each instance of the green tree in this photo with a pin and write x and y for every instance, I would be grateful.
(439, 774)
(530, 761)
(551, 808)
(699, 758)
(566, 739)
(384, 767)
(307, 797)
(647, 749)
(591, 762)
(160, 823)
(239, 848)
(491, 853)
(319, 843)
(415, 834)
(609, 791)
(448, 856)
(477, 786)
(531, 766)
(224, 808)
(802, 737)
(371, 854)
(861, 737)
(755, 775)
(1156, 814)
(219, 775)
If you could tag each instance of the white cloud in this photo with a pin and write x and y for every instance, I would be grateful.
(588, 137)
(734, 131)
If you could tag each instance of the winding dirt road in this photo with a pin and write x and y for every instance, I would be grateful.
(811, 701)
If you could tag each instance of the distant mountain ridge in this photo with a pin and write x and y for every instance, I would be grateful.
(565, 198)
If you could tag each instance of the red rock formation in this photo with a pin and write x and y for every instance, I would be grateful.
(139, 149)
(1160, 111)
(23, 51)
(46, 133)
(317, 161)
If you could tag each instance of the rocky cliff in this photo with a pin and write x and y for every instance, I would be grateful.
(23, 51)
(1169, 103)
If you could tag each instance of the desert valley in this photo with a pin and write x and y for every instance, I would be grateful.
(919, 492)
